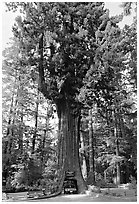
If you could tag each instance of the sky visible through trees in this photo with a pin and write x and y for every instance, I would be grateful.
(9, 17)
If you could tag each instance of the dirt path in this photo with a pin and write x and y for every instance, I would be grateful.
(95, 197)
(106, 195)
(88, 198)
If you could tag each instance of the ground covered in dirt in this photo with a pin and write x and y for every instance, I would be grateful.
(106, 195)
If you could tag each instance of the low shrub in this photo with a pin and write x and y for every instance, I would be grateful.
(133, 182)
(93, 188)
(103, 184)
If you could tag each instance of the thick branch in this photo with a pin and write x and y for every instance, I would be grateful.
(41, 83)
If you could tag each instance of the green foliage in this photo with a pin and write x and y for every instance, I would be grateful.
(104, 183)
(27, 174)
(18, 123)
(68, 31)
(133, 182)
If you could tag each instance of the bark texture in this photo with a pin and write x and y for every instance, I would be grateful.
(68, 148)
(69, 141)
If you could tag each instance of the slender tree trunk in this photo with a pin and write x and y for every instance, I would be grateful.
(36, 124)
(20, 92)
(118, 163)
(122, 134)
(10, 134)
(21, 133)
(91, 176)
(84, 165)
(9, 123)
(121, 126)
(69, 135)
(86, 156)
(118, 176)
(11, 129)
(91, 144)
(42, 144)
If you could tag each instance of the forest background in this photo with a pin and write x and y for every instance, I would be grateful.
(107, 146)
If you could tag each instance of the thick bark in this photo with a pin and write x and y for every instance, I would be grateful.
(61, 145)
(69, 139)
(68, 127)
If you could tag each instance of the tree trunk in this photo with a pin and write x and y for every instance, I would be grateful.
(8, 125)
(121, 126)
(44, 157)
(10, 133)
(118, 176)
(68, 128)
(83, 155)
(21, 132)
(69, 139)
(118, 163)
(36, 124)
(60, 144)
(91, 176)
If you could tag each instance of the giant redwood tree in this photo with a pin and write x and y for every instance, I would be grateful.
(61, 41)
